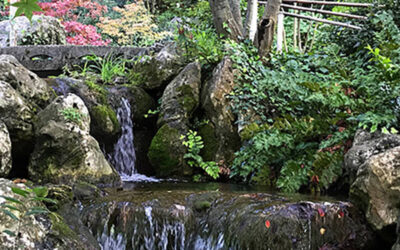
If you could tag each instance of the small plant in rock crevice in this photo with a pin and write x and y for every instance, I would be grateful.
(194, 144)
(18, 210)
(72, 115)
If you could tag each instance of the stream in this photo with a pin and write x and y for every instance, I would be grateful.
(221, 216)
(148, 213)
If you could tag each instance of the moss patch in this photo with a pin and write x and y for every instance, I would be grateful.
(166, 152)
(101, 93)
(187, 99)
(60, 228)
(207, 132)
(105, 119)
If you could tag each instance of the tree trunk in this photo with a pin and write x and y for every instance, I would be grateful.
(251, 19)
(266, 28)
(227, 18)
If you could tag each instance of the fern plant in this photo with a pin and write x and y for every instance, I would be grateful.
(194, 144)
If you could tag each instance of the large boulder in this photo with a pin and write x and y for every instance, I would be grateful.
(40, 231)
(181, 98)
(65, 152)
(376, 189)
(44, 30)
(27, 83)
(140, 102)
(217, 107)
(5, 151)
(18, 115)
(155, 72)
(15, 112)
(104, 125)
(166, 153)
(364, 146)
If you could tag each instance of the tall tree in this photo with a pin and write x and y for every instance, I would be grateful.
(227, 18)
(251, 19)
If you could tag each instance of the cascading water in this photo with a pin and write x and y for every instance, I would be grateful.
(124, 156)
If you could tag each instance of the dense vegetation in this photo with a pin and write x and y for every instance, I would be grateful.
(298, 110)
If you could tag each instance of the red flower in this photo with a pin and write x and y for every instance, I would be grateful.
(267, 224)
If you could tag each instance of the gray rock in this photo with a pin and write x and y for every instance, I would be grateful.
(64, 151)
(376, 189)
(41, 231)
(44, 30)
(28, 84)
(104, 125)
(181, 98)
(155, 72)
(141, 102)
(16, 113)
(5, 151)
(218, 110)
(364, 146)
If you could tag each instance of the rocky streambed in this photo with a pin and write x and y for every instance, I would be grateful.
(221, 216)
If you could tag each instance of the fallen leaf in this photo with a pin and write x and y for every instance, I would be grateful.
(267, 223)
(321, 212)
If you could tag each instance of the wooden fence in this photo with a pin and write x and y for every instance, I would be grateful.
(303, 6)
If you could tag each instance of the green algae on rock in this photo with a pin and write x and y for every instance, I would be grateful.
(166, 153)
(104, 121)
(181, 98)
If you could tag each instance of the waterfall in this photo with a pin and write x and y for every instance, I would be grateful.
(124, 155)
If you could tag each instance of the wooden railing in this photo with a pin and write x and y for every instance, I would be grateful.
(298, 5)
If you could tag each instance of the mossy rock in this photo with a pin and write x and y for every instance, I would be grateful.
(60, 193)
(166, 153)
(207, 133)
(142, 102)
(104, 121)
(85, 191)
(187, 98)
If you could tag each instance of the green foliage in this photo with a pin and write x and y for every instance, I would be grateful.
(194, 144)
(72, 115)
(203, 45)
(109, 68)
(26, 7)
(18, 210)
(194, 32)
(300, 111)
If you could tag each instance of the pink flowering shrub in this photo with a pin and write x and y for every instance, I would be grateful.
(81, 34)
(78, 17)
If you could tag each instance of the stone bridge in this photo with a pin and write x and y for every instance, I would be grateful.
(47, 58)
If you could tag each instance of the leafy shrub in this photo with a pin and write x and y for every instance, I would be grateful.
(78, 18)
(134, 27)
(300, 111)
